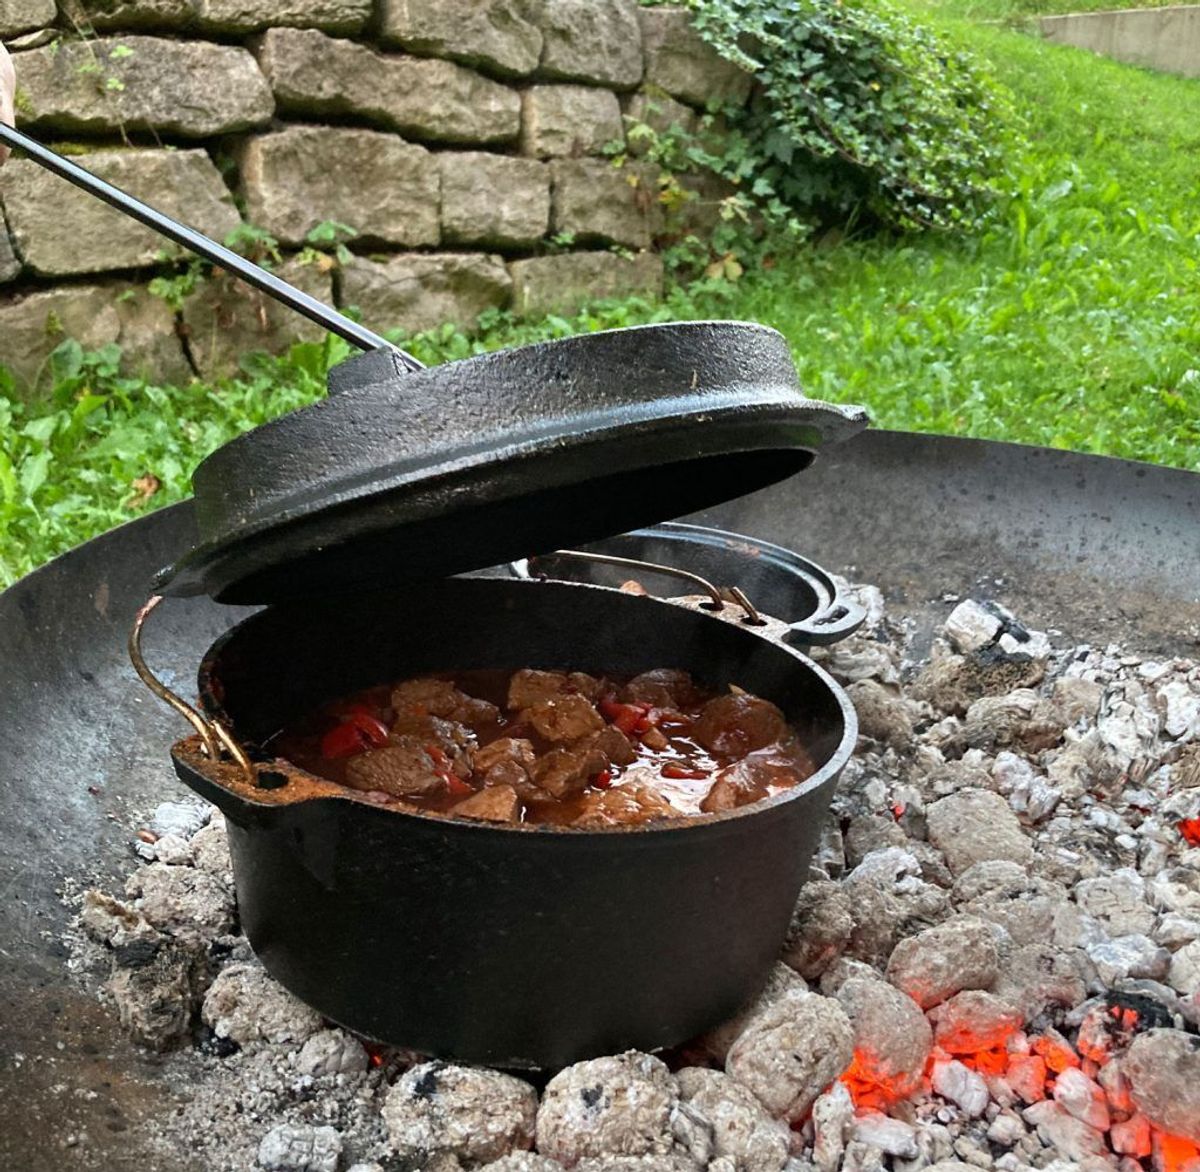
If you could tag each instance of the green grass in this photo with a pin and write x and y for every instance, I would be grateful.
(1072, 320)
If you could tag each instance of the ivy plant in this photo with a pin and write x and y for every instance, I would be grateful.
(858, 109)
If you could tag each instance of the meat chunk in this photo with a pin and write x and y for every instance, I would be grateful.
(565, 719)
(529, 687)
(614, 744)
(562, 772)
(453, 739)
(498, 804)
(433, 697)
(737, 724)
(512, 749)
(623, 805)
(662, 688)
(749, 780)
(404, 768)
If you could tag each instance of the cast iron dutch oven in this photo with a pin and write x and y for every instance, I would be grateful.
(514, 946)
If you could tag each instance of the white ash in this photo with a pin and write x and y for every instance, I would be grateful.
(477, 1115)
(615, 1106)
(292, 1148)
(1005, 855)
(245, 1005)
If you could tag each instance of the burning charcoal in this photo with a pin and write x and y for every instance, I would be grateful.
(962, 1085)
(869, 833)
(184, 902)
(210, 851)
(1019, 717)
(742, 1131)
(941, 961)
(498, 803)
(671, 1163)
(832, 1115)
(123, 928)
(1075, 700)
(692, 1133)
(1003, 893)
(181, 818)
(975, 1021)
(1006, 1130)
(859, 657)
(822, 923)
(1131, 1137)
(1163, 1069)
(1117, 902)
(246, 1005)
(893, 1137)
(565, 719)
(892, 1038)
(477, 1115)
(614, 1106)
(332, 1052)
(1174, 931)
(1079, 1096)
(782, 982)
(898, 872)
(296, 1147)
(154, 1000)
(738, 723)
(788, 1054)
(1128, 956)
(521, 1162)
(975, 825)
(861, 1157)
(971, 627)
(1071, 1138)
(1184, 973)
(883, 715)
(173, 849)
(1026, 1074)
(662, 688)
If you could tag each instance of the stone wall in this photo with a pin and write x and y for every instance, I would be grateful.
(1167, 39)
(462, 140)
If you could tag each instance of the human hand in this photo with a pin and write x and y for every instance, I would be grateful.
(8, 90)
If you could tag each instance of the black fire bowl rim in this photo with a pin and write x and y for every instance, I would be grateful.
(191, 765)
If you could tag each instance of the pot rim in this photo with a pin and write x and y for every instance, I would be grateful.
(230, 780)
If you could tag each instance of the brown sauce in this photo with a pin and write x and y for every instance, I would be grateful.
(548, 747)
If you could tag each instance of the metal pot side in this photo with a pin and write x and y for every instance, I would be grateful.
(518, 947)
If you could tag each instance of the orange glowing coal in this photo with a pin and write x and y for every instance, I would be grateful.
(871, 1088)
(1173, 1153)
(1190, 829)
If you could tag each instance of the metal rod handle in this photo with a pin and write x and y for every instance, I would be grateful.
(206, 247)
(717, 597)
(210, 731)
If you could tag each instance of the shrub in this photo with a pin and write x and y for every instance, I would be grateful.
(859, 109)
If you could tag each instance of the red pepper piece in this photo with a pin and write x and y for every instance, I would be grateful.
(683, 772)
(457, 787)
(345, 740)
(603, 779)
(648, 720)
(372, 728)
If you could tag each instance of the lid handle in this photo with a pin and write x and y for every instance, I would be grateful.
(209, 249)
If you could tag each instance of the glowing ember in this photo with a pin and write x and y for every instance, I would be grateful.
(1173, 1153)
(872, 1090)
(1190, 829)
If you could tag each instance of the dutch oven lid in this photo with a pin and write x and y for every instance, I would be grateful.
(402, 475)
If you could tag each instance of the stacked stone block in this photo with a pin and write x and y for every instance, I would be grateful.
(464, 141)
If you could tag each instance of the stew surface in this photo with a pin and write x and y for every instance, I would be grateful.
(555, 747)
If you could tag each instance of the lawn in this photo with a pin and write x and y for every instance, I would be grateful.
(1072, 319)
(1019, 10)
